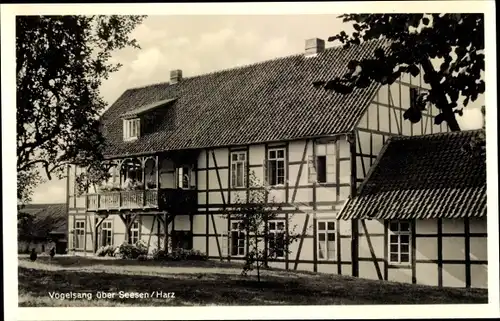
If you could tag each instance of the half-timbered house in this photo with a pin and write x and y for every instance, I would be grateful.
(180, 154)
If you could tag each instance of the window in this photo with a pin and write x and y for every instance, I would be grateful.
(131, 128)
(276, 169)
(183, 180)
(107, 233)
(79, 234)
(134, 232)
(238, 166)
(238, 239)
(326, 240)
(276, 238)
(322, 166)
(399, 242)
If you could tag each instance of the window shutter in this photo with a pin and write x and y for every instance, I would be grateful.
(138, 127)
(265, 174)
(311, 165)
(179, 177)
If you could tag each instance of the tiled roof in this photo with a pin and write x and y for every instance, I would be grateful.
(273, 100)
(429, 176)
(48, 218)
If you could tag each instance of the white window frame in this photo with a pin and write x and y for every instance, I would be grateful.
(107, 226)
(180, 177)
(326, 231)
(240, 232)
(135, 231)
(238, 158)
(131, 129)
(79, 230)
(328, 149)
(397, 234)
(276, 159)
(275, 232)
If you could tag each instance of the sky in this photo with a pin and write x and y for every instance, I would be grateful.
(200, 44)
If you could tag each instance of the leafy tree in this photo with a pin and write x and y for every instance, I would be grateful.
(454, 41)
(254, 217)
(61, 62)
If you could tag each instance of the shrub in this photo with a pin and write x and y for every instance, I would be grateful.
(159, 255)
(132, 251)
(143, 257)
(179, 255)
(108, 250)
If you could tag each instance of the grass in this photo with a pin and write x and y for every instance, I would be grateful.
(212, 283)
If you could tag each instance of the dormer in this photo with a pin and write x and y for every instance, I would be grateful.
(144, 119)
(131, 129)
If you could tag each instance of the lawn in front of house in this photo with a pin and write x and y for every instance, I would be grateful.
(211, 283)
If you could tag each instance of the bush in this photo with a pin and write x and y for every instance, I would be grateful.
(143, 257)
(131, 251)
(179, 255)
(108, 250)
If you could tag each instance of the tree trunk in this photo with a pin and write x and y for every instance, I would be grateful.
(258, 271)
(441, 101)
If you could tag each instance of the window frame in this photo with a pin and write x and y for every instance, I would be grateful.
(326, 232)
(276, 232)
(277, 160)
(107, 226)
(131, 129)
(399, 233)
(242, 235)
(183, 174)
(234, 169)
(328, 150)
(77, 229)
(134, 230)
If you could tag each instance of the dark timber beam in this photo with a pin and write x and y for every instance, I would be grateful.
(207, 195)
(299, 174)
(440, 251)
(372, 251)
(304, 231)
(354, 223)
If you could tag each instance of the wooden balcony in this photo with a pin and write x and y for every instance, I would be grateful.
(176, 201)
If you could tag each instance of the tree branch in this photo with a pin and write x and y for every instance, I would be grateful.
(438, 95)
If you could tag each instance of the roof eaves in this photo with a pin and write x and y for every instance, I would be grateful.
(108, 157)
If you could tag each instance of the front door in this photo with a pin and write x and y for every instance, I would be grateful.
(182, 240)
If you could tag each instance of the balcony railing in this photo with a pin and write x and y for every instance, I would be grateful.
(173, 200)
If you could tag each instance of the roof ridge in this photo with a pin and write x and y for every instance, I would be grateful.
(339, 47)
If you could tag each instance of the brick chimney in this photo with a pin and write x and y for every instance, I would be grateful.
(314, 46)
(175, 76)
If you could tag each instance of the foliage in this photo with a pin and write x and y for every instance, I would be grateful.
(131, 251)
(254, 217)
(179, 255)
(61, 62)
(455, 41)
(143, 257)
(108, 250)
(477, 145)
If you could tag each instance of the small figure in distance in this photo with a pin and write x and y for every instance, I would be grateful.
(33, 255)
